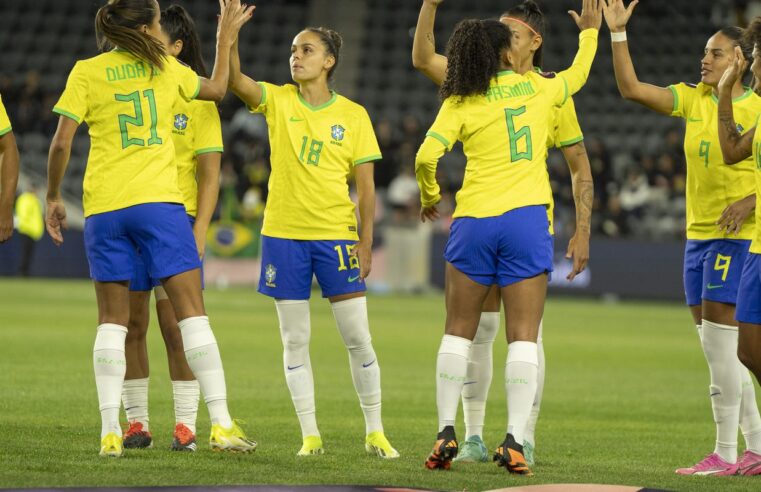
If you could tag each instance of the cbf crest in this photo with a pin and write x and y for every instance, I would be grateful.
(181, 122)
(337, 132)
(270, 273)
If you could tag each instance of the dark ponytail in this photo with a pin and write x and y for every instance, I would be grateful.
(178, 25)
(530, 13)
(116, 25)
(474, 53)
(332, 42)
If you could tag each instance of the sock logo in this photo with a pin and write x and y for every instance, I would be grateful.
(295, 367)
(369, 363)
(443, 375)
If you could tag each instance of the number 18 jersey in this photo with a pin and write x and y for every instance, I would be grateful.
(127, 106)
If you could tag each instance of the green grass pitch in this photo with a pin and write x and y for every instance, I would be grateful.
(626, 398)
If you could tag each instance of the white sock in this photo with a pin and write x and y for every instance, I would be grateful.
(451, 368)
(203, 357)
(750, 421)
(479, 375)
(520, 385)
(534, 417)
(720, 348)
(186, 396)
(351, 318)
(135, 400)
(295, 332)
(110, 366)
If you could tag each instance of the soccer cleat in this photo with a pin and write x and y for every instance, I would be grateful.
(748, 464)
(311, 446)
(473, 450)
(710, 465)
(136, 437)
(528, 453)
(376, 443)
(232, 439)
(444, 450)
(184, 439)
(111, 445)
(510, 455)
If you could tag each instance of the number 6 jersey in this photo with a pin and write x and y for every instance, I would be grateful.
(127, 105)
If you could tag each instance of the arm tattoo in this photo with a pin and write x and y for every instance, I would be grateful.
(583, 197)
(430, 38)
(727, 121)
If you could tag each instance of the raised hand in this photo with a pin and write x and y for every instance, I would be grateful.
(591, 15)
(734, 71)
(232, 16)
(616, 15)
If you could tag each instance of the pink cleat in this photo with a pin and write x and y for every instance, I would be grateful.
(748, 464)
(712, 464)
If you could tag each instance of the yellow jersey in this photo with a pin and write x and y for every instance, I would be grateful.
(5, 123)
(314, 149)
(712, 185)
(505, 133)
(127, 105)
(197, 130)
(755, 245)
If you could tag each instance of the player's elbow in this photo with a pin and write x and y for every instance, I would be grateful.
(217, 94)
(419, 62)
(60, 145)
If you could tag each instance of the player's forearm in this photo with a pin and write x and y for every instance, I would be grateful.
(623, 68)
(582, 185)
(729, 136)
(234, 66)
(424, 43)
(216, 87)
(208, 189)
(366, 213)
(426, 162)
(9, 171)
(58, 160)
(576, 75)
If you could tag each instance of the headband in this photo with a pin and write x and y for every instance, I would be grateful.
(521, 22)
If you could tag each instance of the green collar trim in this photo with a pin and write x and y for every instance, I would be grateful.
(330, 101)
(505, 72)
(748, 92)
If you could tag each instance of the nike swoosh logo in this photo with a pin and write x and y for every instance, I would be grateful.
(715, 394)
(294, 367)
(369, 363)
(296, 120)
(709, 286)
(694, 120)
(352, 279)
(471, 382)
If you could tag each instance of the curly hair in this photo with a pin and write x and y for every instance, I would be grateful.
(529, 12)
(474, 53)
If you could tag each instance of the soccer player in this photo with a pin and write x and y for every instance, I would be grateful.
(714, 255)
(736, 148)
(131, 197)
(9, 168)
(197, 138)
(318, 139)
(526, 21)
(500, 234)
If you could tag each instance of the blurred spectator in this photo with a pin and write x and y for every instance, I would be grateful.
(29, 223)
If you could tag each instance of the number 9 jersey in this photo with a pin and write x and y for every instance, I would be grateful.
(127, 105)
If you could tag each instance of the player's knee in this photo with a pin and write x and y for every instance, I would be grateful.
(357, 338)
(294, 336)
(137, 328)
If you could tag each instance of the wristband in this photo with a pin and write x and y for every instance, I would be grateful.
(618, 37)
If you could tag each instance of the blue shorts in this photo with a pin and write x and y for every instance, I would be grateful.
(749, 297)
(288, 266)
(160, 231)
(712, 269)
(141, 280)
(502, 250)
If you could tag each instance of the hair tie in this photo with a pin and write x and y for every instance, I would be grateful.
(521, 22)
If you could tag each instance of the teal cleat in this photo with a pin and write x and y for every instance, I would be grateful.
(528, 453)
(473, 451)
